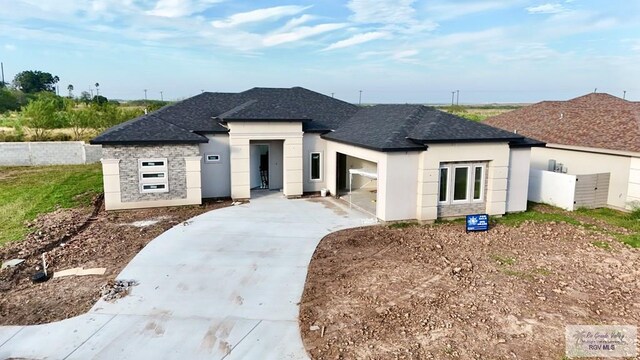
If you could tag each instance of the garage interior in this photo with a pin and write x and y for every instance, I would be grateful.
(357, 182)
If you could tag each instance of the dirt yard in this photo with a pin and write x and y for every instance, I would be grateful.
(85, 237)
(436, 292)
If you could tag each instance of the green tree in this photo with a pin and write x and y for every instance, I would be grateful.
(80, 121)
(85, 97)
(70, 89)
(9, 100)
(40, 116)
(100, 100)
(35, 81)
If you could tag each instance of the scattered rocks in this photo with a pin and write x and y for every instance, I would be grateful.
(436, 292)
(116, 289)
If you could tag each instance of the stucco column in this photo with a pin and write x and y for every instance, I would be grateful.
(498, 171)
(194, 182)
(240, 167)
(111, 179)
(293, 173)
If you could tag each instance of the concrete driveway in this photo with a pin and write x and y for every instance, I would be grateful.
(224, 285)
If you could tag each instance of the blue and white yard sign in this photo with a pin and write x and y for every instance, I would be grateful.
(478, 222)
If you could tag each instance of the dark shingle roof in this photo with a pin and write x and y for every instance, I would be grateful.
(196, 113)
(203, 113)
(380, 127)
(596, 120)
(148, 129)
(413, 127)
(318, 112)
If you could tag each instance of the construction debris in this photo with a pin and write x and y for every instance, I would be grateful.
(79, 272)
(11, 263)
(116, 289)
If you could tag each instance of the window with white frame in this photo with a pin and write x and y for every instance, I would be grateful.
(461, 183)
(153, 175)
(315, 160)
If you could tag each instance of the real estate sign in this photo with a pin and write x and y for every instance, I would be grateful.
(477, 222)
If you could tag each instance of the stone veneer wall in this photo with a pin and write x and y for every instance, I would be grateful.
(129, 178)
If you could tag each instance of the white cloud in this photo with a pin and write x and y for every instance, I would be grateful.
(546, 9)
(447, 10)
(295, 22)
(272, 13)
(465, 38)
(357, 39)
(10, 47)
(405, 55)
(300, 33)
(180, 8)
(382, 11)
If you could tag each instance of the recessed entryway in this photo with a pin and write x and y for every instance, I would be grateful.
(266, 170)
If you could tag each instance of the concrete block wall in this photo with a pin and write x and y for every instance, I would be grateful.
(48, 153)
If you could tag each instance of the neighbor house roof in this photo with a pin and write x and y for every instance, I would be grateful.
(413, 127)
(206, 113)
(596, 120)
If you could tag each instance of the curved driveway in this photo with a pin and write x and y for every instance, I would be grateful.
(224, 285)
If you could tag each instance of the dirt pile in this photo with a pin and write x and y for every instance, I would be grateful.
(436, 292)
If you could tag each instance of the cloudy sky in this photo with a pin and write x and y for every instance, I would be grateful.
(392, 50)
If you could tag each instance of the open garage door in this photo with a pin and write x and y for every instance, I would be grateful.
(360, 179)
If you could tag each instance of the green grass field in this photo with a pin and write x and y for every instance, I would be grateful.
(26, 192)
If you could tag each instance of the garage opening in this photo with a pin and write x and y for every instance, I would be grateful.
(357, 182)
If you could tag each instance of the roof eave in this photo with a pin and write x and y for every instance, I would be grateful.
(147, 142)
(450, 141)
(375, 148)
(227, 120)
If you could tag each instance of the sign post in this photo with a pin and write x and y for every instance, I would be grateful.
(477, 222)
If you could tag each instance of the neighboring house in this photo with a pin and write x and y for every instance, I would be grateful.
(592, 134)
(400, 161)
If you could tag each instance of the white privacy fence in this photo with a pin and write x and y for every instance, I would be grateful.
(568, 191)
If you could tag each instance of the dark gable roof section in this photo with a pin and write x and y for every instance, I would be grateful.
(147, 129)
(380, 128)
(413, 127)
(318, 112)
(203, 114)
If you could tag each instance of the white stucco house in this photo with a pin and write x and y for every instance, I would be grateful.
(398, 162)
(593, 139)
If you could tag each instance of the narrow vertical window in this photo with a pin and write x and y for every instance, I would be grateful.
(316, 164)
(477, 183)
(460, 181)
(444, 184)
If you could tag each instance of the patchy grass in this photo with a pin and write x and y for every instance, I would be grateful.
(545, 213)
(503, 260)
(629, 221)
(26, 192)
(602, 245)
(402, 225)
(516, 219)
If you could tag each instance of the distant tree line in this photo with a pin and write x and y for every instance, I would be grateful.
(33, 95)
